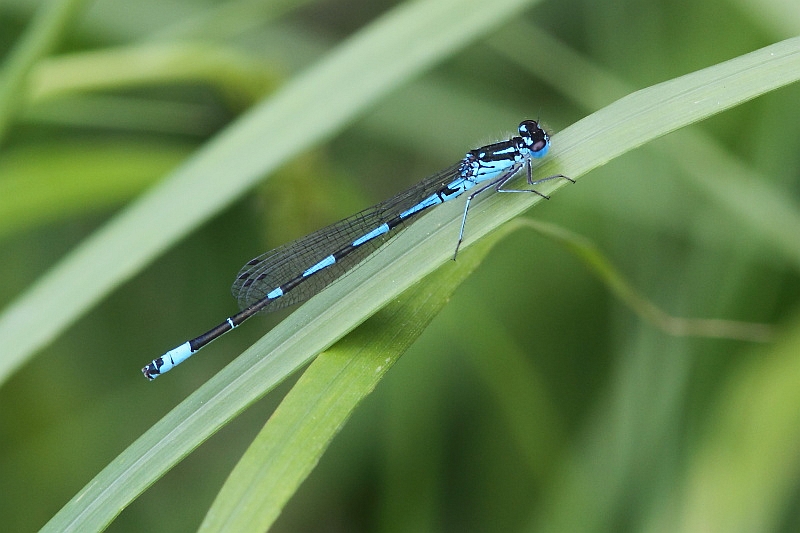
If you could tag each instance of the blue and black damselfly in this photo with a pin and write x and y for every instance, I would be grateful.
(295, 272)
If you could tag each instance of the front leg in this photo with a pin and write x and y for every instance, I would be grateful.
(497, 182)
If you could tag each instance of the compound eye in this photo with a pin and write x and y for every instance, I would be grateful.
(538, 146)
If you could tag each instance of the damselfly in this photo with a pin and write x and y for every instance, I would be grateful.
(297, 271)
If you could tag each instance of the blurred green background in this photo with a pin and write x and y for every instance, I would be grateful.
(535, 401)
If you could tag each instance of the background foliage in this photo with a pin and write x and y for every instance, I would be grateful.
(535, 400)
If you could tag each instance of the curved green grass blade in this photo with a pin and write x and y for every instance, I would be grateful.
(298, 433)
(241, 78)
(601, 267)
(620, 127)
(304, 112)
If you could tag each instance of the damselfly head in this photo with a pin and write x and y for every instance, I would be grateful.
(534, 138)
